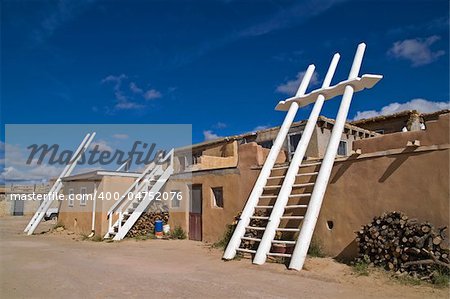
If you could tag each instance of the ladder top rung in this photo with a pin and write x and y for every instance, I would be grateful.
(279, 254)
(295, 206)
(283, 229)
(283, 242)
(251, 239)
(264, 207)
(255, 227)
(292, 217)
(246, 250)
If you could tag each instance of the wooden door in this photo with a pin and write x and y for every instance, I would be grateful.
(195, 213)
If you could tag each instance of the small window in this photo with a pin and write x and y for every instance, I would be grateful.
(342, 149)
(83, 192)
(266, 144)
(175, 196)
(71, 197)
(217, 193)
(380, 131)
(293, 141)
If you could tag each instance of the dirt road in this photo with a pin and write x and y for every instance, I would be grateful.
(59, 265)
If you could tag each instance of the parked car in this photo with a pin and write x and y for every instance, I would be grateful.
(51, 214)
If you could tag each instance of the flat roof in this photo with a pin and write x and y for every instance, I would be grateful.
(97, 175)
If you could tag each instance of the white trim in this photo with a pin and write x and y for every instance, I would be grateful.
(71, 201)
(83, 199)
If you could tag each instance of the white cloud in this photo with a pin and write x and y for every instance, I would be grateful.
(220, 125)
(259, 128)
(102, 145)
(120, 136)
(290, 87)
(420, 105)
(209, 135)
(17, 169)
(134, 88)
(416, 50)
(128, 105)
(117, 80)
(152, 94)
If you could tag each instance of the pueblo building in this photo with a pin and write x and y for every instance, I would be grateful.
(397, 162)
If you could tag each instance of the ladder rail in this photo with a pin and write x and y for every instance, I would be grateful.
(289, 180)
(258, 189)
(315, 203)
(48, 200)
(119, 208)
(123, 230)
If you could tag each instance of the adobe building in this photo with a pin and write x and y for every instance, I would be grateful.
(87, 213)
(218, 180)
(395, 169)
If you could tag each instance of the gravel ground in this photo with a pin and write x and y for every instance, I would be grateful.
(60, 264)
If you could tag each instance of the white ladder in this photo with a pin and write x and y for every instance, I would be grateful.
(131, 204)
(347, 88)
(52, 194)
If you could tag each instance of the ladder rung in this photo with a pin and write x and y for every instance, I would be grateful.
(255, 227)
(310, 164)
(295, 206)
(292, 217)
(268, 196)
(260, 217)
(290, 196)
(283, 242)
(283, 229)
(302, 165)
(263, 207)
(299, 195)
(246, 250)
(293, 186)
(300, 174)
(251, 239)
(279, 254)
(302, 185)
(308, 173)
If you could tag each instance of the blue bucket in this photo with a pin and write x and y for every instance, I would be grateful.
(158, 226)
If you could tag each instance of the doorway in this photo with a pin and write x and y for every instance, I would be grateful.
(19, 206)
(195, 213)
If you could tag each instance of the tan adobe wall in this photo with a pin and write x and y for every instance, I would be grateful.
(437, 132)
(79, 218)
(414, 183)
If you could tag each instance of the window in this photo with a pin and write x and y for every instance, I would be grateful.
(193, 159)
(217, 193)
(293, 141)
(266, 143)
(83, 192)
(342, 149)
(71, 197)
(380, 131)
(176, 198)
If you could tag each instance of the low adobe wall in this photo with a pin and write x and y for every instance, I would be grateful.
(387, 177)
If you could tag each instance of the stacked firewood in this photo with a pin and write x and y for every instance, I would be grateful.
(145, 225)
(252, 233)
(403, 245)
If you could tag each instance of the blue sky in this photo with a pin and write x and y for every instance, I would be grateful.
(221, 66)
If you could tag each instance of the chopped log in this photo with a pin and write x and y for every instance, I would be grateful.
(403, 245)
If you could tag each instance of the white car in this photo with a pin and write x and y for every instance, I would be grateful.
(51, 214)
